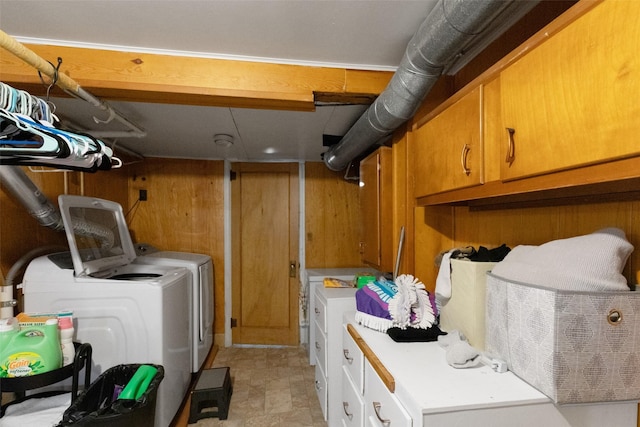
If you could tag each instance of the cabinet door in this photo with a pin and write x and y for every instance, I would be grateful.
(321, 390)
(352, 402)
(320, 348)
(382, 408)
(448, 148)
(375, 207)
(572, 100)
(353, 360)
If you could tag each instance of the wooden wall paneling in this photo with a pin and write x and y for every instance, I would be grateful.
(434, 232)
(331, 219)
(21, 233)
(314, 209)
(109, 185)
(531, 226)
(183, 212)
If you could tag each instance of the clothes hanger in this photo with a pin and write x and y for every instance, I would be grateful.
(23, 139)
(28, 136)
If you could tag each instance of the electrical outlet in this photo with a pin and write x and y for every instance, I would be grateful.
(143, 195)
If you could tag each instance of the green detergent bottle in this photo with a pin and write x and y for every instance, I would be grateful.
(30, 351)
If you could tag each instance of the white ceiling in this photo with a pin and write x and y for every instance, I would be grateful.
(361, 34)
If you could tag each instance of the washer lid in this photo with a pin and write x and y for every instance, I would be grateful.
(97, 233)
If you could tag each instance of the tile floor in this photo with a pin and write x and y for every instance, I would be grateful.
(271, 387)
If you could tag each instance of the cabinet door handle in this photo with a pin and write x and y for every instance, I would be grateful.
(346, 355)
(317, 346)
(511, 147)
(318, 385)
(345, 408)
(316, 310)
(463, 159)
(376, 408)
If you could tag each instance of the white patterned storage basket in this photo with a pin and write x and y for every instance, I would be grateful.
(575, 347)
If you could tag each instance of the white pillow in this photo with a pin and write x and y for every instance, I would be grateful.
(593, 262)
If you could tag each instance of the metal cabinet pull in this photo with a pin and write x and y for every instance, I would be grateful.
(346, 355)
(511, 147)
(318, 385)
(376, 408)
(318, 346)
(463, 159)
(316, 310)
(345, 407)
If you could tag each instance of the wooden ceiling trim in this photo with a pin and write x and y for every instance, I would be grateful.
(144, 77)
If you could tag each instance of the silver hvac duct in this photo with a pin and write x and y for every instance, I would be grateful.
(23, 189)
(48, 215)
(450, 26)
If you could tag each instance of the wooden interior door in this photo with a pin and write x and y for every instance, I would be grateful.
(264, 203)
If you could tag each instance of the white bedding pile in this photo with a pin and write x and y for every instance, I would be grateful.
(592, 263)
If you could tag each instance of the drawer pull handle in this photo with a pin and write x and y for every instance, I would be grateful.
(463, 159)
(376, 408)
(346, 355)
(345, 407)
(511, 148)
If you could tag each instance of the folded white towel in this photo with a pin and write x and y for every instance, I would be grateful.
(593, 262)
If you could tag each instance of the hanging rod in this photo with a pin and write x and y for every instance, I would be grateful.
(65, 82)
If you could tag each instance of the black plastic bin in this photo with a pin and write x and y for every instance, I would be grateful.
(97, 405)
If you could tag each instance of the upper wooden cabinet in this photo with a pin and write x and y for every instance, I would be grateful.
(448, 148)
(573, 100)
(376, 209)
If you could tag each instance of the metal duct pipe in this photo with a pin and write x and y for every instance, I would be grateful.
(16, 181)
(443, 34)
(48, 215)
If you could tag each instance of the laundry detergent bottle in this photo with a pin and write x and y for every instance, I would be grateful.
(30, 351)
(8, 329)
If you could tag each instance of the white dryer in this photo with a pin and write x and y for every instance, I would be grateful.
(128, 312)
(202, 276)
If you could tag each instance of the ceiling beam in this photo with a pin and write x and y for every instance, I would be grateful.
(144, 77)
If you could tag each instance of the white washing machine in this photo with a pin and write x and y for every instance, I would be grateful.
(128, 312)
(202, 276)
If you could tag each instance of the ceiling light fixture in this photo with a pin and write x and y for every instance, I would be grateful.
(223, 140)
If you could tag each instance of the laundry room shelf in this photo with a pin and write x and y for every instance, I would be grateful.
(82, 360)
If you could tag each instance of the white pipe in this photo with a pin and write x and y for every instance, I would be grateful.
(7, 302)
(6, 291)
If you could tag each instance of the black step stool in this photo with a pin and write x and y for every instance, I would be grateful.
(213, 388)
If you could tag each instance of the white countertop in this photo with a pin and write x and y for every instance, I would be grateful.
(426, 384)
(337, 273)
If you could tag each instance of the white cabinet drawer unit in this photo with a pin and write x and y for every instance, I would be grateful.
(330, 304)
